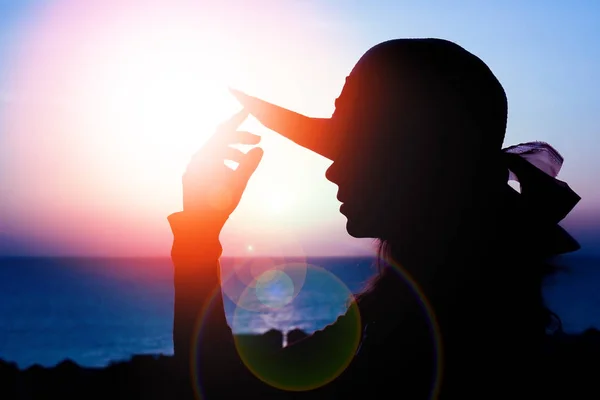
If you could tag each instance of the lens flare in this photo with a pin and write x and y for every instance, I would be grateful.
(257, 278)
(262, 285)
(298, 367)
(275, 289)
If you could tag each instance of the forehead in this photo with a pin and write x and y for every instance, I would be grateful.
(378, 92)
(365, 140)
(370, 114)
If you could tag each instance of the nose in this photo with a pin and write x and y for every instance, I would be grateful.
(332, 173)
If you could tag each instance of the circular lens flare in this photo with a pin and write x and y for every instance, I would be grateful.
(296, 367)
(309, 364)
(275, 289)
(243, 274)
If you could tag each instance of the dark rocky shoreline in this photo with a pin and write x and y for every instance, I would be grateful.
(570, 370)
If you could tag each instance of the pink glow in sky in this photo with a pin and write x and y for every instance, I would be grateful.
(110, 99)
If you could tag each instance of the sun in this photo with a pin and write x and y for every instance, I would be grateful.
(150, 95)
(276, 202)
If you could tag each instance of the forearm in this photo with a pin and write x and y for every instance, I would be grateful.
(199, 316)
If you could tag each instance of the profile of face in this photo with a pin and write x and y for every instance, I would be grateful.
(391, 170)
(362, 190)
(382, 175)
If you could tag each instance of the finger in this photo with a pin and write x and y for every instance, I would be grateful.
(225, 131)
(248, 165)
(234, 121)
(235, 138)
(242, 137)
(233, 154)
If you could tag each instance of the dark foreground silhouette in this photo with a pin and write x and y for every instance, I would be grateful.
(570, 372)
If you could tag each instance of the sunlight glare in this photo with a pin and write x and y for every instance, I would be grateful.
(112, 99)
(277, 203)
(155, 95)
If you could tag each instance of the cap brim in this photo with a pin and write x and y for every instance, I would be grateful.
(312, 133)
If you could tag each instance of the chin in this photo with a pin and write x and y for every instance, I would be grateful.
(359, 231)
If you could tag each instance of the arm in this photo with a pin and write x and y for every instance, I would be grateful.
(211, 191)
(198, 299)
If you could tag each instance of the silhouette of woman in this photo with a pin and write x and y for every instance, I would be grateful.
(416, 142)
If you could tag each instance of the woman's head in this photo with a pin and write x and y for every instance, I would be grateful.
(420, 120)
(416, 144)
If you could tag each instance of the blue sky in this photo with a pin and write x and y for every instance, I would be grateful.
(545, 54)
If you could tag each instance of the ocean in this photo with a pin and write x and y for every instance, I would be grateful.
(97, 310)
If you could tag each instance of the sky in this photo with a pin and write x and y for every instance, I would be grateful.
(102, 104)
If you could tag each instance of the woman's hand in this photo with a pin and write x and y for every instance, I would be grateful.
(211, 190)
